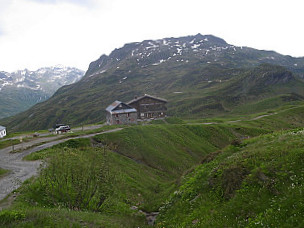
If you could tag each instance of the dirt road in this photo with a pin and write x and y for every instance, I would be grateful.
(21, 170)
(84, 128)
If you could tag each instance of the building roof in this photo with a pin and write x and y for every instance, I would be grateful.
(114, 108)
(124, 111)
(2, 128)
(148, 96)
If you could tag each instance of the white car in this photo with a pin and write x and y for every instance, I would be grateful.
(64, 128)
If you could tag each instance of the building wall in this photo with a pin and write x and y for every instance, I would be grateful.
(2, 133)
(150, 108)
(122, 118)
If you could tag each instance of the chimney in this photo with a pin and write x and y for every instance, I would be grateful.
(135, 97)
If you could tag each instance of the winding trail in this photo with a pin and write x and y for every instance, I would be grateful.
(235, 121)
(22, 170)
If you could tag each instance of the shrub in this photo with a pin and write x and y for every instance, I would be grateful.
(76, 179)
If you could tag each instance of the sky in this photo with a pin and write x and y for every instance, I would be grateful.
(40, 33)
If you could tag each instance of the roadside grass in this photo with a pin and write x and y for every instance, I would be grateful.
(256, 183)
(101, 129)
(72, 143)
(3, 172)
(7, 143)
(24, 133)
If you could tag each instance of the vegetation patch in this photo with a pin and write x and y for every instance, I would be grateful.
(11, 216)
(113, 179)
(7, 143)
(74, 179)
(257, 184)
(3, 172)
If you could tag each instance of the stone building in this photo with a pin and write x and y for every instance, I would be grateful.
(149, 107)
(121, 113)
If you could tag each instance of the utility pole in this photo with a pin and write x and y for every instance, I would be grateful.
(21, 140)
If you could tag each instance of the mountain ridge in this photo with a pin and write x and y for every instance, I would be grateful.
(189, 71)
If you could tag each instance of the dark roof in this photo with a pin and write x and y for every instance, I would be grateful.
(111, 108)
(2, 128)
(149, 96)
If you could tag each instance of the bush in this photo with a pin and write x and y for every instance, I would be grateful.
(76, 179)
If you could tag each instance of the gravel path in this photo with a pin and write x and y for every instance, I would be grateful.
(21, 170)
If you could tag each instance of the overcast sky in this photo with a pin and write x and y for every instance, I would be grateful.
(38, 33)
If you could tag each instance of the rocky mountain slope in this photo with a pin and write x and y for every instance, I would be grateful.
(199, 75)
(22, 89)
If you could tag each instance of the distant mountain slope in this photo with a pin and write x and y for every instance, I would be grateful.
(199, 75)
(22, 89)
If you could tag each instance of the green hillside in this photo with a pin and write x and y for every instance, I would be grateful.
(234, 174)
(257, 183)
(138, 167)
(14, 100)
(196, 98)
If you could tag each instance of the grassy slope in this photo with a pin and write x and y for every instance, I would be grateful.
(146, 164)
(285, 119)
(256, 184)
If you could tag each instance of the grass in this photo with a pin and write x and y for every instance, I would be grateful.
(171, 148)
(181, 170)
(144, 164)
(257, 183)
(285, 119)
(53, 217)
(3, 172)
(7, 143)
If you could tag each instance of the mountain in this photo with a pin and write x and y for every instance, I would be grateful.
(199, 75)
(22, 89)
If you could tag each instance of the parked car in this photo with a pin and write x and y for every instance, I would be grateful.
(59, 125)
(63, 128)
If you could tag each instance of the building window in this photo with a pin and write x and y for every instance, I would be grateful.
(128, 114)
